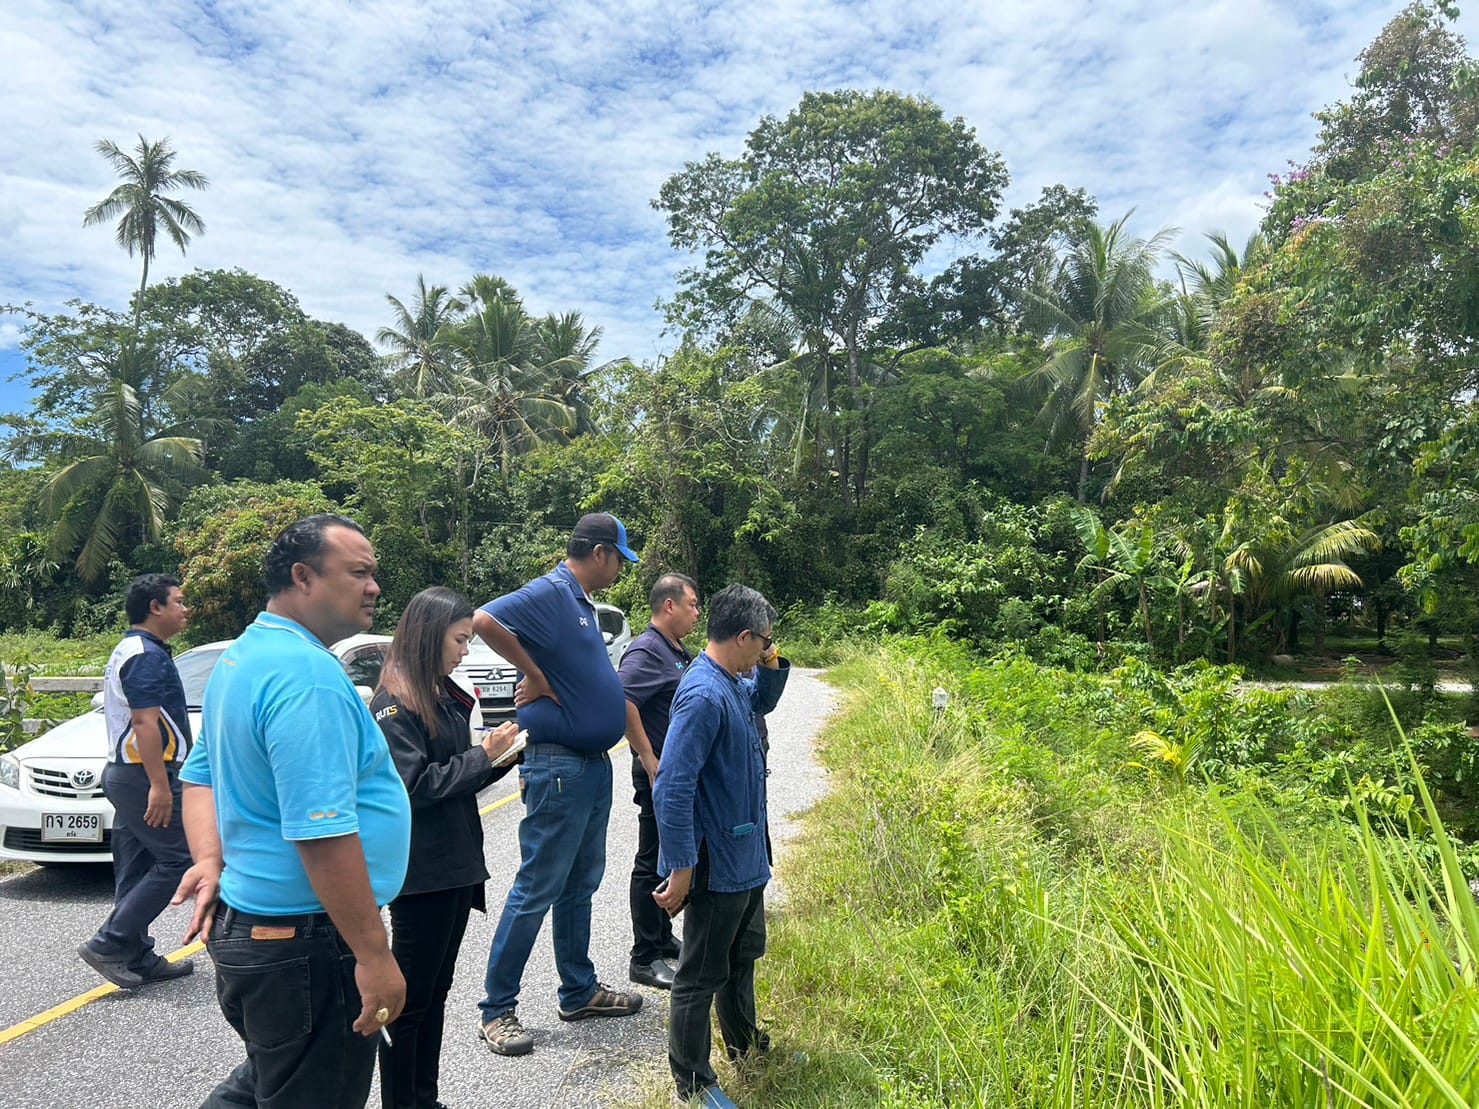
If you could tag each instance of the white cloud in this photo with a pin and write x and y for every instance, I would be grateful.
(354, 145)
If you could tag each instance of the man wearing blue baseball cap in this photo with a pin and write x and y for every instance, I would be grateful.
(571, 703)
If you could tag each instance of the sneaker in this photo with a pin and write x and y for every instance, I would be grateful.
(606, 1002)
(658, 974)
(504, 1035)
(111, 967)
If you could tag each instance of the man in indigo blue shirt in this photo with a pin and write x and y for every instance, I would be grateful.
(714, 841)
(300, 823)
(148, 738)
(570, 702)
(650, 670)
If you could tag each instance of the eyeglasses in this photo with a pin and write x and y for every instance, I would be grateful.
(767, 640)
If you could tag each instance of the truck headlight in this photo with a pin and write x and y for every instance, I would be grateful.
(10, 771)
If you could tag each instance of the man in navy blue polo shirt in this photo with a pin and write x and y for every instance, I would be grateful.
(570, 702)
(714, 838)
(650, 670)
(148, 738)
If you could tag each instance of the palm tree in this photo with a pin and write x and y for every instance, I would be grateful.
(125, 489)
(1276, 546)
(1102, 313)
(1206, 287)
(565, 343)
(141, 205)
(504, 391)
(419, 338)
(485, 288)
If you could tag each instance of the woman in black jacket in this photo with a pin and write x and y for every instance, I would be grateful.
(425, 717)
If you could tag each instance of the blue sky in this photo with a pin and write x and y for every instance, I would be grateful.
(353, 145)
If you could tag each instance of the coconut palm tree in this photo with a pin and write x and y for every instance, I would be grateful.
(1101, 313)
(419, 338)
(140, 205)
(485, 288)
(503, 389)
(123, 491)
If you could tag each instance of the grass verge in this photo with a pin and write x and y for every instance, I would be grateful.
(997, 906)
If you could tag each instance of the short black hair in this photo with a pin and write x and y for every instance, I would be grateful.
(143, 591)
(301, 541)
(737, 608)
(670, 587)
(578, 548)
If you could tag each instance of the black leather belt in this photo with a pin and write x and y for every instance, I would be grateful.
(303, 923)
(560, 750)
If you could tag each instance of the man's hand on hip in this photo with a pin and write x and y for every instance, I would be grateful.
(534, 686)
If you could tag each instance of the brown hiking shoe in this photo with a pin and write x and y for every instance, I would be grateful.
(504, 1035)
(606, 1002)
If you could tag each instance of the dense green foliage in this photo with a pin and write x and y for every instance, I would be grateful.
(1132, 889)
(1048, 443)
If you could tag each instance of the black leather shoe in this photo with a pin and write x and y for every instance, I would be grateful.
(658, 974)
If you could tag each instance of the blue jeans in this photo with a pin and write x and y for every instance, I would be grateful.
(286, 985)
(562, 846)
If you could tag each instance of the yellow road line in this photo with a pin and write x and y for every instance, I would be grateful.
(56, 1012)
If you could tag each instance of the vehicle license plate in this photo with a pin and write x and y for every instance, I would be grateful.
(69, 827)
(498, 691)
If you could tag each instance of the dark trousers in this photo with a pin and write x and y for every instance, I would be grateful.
(652, 928)
(147, 865)
(723, 935)
(293, 1001)
(426, 931)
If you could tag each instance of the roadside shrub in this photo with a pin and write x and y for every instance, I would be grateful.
(1000, 585)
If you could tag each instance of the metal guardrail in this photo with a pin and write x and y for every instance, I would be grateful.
(74, 684)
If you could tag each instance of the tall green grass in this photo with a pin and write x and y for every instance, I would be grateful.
(994, 907)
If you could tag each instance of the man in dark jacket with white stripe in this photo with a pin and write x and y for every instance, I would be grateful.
(148, 738)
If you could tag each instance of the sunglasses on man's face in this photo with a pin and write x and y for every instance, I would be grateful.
(767, 640)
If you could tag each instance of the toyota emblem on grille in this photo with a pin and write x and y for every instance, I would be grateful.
(83, 779)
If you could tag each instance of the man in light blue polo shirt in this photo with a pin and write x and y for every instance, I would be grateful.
(571, 703)
(296, 815)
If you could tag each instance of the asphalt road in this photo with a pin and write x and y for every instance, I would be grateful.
(165, 1046)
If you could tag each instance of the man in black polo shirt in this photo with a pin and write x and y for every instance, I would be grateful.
(148, 738)
(649, 672)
